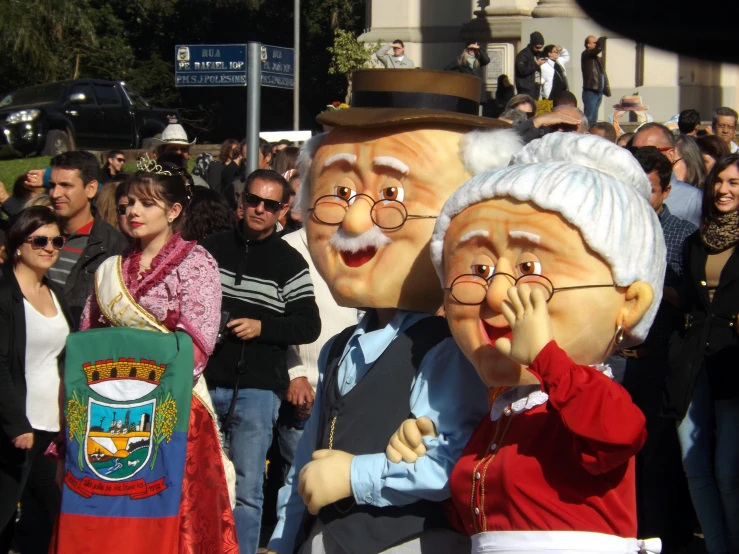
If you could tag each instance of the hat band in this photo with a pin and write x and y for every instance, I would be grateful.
(425, 100)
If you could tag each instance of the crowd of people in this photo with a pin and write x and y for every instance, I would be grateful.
(222, 256)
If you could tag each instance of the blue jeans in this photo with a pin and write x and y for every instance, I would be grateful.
(247, 439)
(591, 104)
(711, 464)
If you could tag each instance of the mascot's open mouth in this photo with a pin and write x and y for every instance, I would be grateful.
(360, 257)
(495, 333)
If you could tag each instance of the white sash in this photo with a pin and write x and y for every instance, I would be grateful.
(116, 303)
(562, 542)
(119, 307)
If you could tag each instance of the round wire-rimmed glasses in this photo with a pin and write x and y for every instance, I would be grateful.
(386, 214)
(470, 289)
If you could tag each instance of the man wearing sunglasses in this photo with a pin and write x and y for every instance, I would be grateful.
(269, 304)
(89, 240)
(113, 165)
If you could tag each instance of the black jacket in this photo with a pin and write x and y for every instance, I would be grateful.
(13, 420)
(708, 339)
(463, 67)
(528, 73)
(105, 241)
(266, 280)
(594, 75)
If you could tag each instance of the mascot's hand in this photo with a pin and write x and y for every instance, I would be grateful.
(326, 479)
(527, 314)
(406, 444)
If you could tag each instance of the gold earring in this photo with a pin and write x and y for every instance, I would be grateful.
(619, 337)
(170, 219)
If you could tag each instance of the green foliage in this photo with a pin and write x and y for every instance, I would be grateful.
(347, 54)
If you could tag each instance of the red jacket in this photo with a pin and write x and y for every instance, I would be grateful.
(566, 464)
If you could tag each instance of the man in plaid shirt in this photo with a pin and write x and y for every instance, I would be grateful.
(663, 501)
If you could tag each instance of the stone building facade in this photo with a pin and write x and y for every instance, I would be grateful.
(434, 32)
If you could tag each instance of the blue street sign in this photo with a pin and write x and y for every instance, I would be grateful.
(208, 65)
(278, 67)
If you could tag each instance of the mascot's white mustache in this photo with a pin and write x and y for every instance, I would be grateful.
(344, 242)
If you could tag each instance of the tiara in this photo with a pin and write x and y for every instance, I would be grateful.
(148, 165)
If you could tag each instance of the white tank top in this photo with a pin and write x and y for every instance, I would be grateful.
(45, 340)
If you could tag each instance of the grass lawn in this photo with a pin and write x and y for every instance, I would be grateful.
(10, 169)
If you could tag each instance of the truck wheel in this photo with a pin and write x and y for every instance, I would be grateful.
(57, 142)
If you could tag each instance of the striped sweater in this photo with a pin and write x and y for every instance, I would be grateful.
(266, 280)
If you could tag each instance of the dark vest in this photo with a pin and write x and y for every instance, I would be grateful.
(364, 420)
(560, 80)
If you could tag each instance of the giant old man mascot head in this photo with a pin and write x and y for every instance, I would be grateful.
(373, 186)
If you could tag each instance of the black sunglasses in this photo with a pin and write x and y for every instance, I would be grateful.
(120, 159)
(252, 201)
(40, 241)
(121, 209)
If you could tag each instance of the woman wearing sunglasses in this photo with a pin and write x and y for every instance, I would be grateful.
(34, 324)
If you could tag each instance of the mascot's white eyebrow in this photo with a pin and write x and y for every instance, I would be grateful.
(525, 235)
(392, 163)
(473, 234)
(351, 159)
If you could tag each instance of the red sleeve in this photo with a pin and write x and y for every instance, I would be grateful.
(608, 427)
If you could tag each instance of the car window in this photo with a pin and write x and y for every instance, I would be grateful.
(85, 89)
(49, 92)
(137, 101)
(107, 95)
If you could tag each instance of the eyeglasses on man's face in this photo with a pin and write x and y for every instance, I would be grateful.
(471, 289)
(386, 214)
(253, 200)
(40, 242)
(122, 160)
(725, 127)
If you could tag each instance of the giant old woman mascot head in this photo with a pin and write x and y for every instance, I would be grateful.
(569, 218)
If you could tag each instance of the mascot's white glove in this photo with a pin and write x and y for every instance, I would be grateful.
(406, 444)
(326, 479)
(528, 316)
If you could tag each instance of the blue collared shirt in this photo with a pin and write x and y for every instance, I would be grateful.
(685, 201)
(446, 389)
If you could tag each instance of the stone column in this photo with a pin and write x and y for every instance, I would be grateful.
(558, 8)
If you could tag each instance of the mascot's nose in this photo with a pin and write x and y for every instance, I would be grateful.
(358, 218)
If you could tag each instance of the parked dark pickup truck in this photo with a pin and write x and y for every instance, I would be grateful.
(81, 113)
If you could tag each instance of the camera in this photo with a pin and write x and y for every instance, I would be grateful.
(223, 331)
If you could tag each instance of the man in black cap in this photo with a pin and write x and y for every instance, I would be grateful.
(528, 66)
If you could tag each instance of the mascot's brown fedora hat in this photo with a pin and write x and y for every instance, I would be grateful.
(385, 97)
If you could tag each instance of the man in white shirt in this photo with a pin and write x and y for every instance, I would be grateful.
(398, 60)
(723, 126)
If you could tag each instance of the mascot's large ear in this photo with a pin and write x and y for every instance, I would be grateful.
(488, 150)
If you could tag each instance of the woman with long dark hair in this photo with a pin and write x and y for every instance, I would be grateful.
(703, 385)
(164, 284)
(34, 324)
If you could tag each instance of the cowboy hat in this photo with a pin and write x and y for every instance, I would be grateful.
(388, 97)
(174, 133)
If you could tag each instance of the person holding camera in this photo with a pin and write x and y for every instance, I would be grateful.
(528, 66)
(268, 304)
(553, 73)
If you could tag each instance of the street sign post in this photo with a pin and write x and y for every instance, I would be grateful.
(210, 65)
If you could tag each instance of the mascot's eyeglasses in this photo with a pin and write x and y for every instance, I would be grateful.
(386, 214)
(40, 241)
(471, 290)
